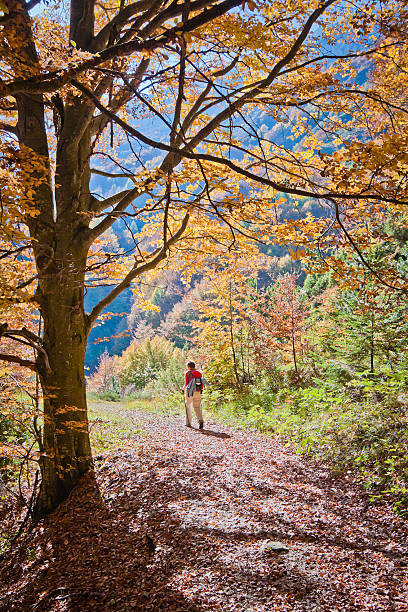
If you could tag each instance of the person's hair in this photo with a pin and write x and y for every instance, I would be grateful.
(191, 364)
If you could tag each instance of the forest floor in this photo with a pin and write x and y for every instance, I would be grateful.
(178, 519)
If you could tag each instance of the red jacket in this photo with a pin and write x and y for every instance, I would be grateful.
(190, 374)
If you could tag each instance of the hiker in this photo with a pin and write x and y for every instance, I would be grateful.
(193, 388)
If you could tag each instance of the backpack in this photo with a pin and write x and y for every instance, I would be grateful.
(195, 384)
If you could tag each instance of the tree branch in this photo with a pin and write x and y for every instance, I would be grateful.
(156, 257)
(51, 81)
(180, 153)
(122, 97)
(102, 37)
(19, 360)
(29, 338)
(112, 174)
(360, 254)
(9, 128)
(195, 108)
(339, 92)
(100, 205)
(111, 217)
(24, 332)
(258, 89)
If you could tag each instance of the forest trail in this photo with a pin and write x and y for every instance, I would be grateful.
(185, 521)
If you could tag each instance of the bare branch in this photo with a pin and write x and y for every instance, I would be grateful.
(112, 174)
(29, 338)
(100, 205)
(8, 128)
(19, 360)
(111, 217)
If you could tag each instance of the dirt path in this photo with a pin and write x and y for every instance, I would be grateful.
(186, 521)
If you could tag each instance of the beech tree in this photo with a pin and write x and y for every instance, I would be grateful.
(83, 87)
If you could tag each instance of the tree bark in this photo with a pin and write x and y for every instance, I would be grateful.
(372, 344)
(66, 453)
(292, 333)
(231, 330)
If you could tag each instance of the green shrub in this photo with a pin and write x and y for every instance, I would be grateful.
(109, 396)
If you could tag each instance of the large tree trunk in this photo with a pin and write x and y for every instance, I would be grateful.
(66, 452)
(60, 256)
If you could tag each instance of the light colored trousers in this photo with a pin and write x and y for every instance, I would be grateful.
(195, 402)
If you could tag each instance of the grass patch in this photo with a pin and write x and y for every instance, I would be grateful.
(166, 404)
(112, 425)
